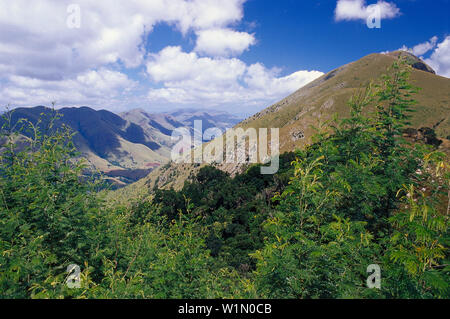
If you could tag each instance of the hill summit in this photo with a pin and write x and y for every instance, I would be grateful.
(315, 103)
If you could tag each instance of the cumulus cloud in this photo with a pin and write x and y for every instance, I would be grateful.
(440, 58)
(42, 59)
(188, 78)
(421, 48)
(173, 66)
(99, 87)
(37, 44)
(204, 14)
(223, 42)
(358, 10)
(35, 38)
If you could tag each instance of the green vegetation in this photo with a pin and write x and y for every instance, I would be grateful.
(358, 195)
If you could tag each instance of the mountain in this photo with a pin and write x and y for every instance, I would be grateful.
(127, 146)
(158, 127)
(319, 100)
(106, 140)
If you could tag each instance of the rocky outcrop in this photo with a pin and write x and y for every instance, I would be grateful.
(414, 61)
(424, 134)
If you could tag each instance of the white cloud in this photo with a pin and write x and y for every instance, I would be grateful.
(223, 42)
(35, 38)
(204, 14)
(440, 58)
(358, 10)
(260, 78)
(100, 87)
(190, 79)
(422, 48)
(42, 60)
(173, 66)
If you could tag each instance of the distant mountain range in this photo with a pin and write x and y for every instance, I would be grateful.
(125, 146)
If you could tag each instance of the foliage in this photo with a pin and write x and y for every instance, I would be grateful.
(340, 212)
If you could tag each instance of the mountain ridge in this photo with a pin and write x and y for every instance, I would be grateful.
(317, 102)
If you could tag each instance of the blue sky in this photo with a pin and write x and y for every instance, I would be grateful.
(235, 55)
(297, 35)
(304, 34)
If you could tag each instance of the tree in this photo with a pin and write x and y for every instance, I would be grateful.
(48, 209)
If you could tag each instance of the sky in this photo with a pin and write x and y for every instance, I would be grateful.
(235, 55)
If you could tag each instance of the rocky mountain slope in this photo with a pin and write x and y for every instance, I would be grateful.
(209, 118)
(318, 101)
